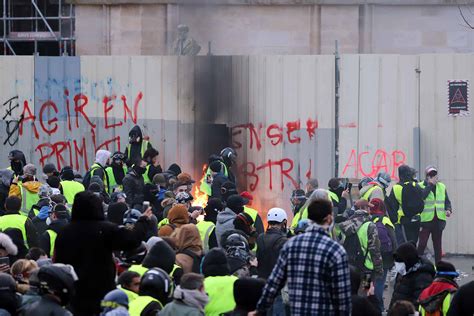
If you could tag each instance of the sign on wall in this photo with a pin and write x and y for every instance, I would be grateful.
(458, 97)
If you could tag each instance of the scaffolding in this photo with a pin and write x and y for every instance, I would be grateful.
(40, 27)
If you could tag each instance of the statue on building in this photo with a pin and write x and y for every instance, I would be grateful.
(184, 45)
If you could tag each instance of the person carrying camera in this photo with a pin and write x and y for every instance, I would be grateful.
(433, 217)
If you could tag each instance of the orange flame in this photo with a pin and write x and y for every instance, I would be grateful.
(200, 198)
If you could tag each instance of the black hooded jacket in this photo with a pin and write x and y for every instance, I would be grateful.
(87, 244)
(18, 162)
(133, 154)
(44, 239)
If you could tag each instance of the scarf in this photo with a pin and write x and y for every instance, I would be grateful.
(193, 298)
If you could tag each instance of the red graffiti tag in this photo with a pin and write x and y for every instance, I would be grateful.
(381, 161)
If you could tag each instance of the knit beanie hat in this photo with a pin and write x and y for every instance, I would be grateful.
(161, 255)
(247, 292)
(407, 253)
(215, 263)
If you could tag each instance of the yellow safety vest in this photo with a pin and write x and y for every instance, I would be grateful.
(444, 308)
(385, 221)
(17, 221)
(434, 204)
(28, 199)
(146, 178)
(112, 182)
(70, 189)
(163, 222)
(333, 196)
(205, 187)
(130, 294)
(136, 307)
(138, 268)
(362, 234)
(221, 294)
(397, 191)
(303, 212)
(368, 193)
(143, 149)
(205, 230)
(95, 167)
(52, 241)
(252, 212)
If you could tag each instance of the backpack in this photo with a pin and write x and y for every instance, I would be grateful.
(412, 199)
(87, 179)
(196, 260)
(384, 237)
(355, 254)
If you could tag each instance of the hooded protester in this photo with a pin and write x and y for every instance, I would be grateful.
(136, 146)
(116, 171)
(13, 221)
(56, 221)
(115, 303)
(134, 186)
(177, 217)
(190, 251)
(6, 176)
(361, 227)
(151, 157)
(162, 255)
(9, 302)
(98, 239)
(117, 208)
(247, 292)
(229, 157)
(225, 218)
(218, 282)
(338, 195)
(17, 162)
(236, 245)
(190, 297)
(207, 227)
(244, 222)
(437, 297)
(298, 199)
(228, 189)
(414, 274)
(26, 188)
(98, 169)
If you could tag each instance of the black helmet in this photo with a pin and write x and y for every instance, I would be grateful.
(57, 279)
(7, 283)
(229, 155)
(157, 284)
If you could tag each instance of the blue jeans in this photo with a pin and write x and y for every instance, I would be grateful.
(278, 307)
(379, 286)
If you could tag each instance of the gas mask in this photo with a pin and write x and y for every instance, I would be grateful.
(134, 138)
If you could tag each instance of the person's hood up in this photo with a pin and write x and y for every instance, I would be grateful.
(58, 224)
(215, 263)
(6, 176)
(32, 186)
(178, 214)
(7, 244)
(188, 238)
(102, 156)
(352, 225)
(408, 254)
(405, 173)
(136, 130)
(227, 215)
(161, 255)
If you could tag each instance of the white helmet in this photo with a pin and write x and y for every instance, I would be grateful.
(276, 214)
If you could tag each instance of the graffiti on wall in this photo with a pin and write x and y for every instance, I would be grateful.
(291, 133)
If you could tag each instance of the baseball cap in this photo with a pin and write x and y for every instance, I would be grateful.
(247, 195)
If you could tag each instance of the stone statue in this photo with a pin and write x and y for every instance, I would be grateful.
(184, 45)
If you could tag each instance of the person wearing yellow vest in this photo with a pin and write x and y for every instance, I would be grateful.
(58, 218)
(102, 158)
(388, 243)
(68, 187)
(116, 171)
(376, 188)
(257, 220)
(156, 289)
(129, 282)
(436, 298)
(318, 194)
(338, 195)
(214, 178)
(151, 157)
(115, 303)
(207, 227)
(437, 208)
(17, 162)
(26, 188)
(404, 212)
(229, 157)
(14, 220)
(361, 226)
(218, 282)
(136, 146)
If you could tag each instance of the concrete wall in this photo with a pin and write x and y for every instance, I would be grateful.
(261, 28)
(277, 111)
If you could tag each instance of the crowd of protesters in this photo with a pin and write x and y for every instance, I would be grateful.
(124, 239)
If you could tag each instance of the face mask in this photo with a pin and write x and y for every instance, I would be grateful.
(48, 221)
(400, 268)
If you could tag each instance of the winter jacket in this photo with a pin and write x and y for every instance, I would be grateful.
(44, 238)
(269, 245)
(217, 181)
(134, 155)
(376, 193)
(352, 225)
(432, 298)
(178, 308)
(225, 222)
(134, 186)
(189, 244)
(45, 306)
(31, 186)
(87, 243)
(177, 217)
(6, 177)
(31, 233)
(365, 306)
(462, 303)
(409, 286)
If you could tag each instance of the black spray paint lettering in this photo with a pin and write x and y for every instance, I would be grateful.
(12, 125)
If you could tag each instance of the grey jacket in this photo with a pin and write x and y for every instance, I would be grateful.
(225, 222)
(177, 308)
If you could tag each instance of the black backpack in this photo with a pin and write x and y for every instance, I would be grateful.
(412, 199)
(355, 254)
(196, 260)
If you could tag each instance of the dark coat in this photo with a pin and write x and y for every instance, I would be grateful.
(45, 306)
(44, 239)
(462, 303)
(269, 245)
(87, 244)
(410, 286)
(134, 187)
(217, 182)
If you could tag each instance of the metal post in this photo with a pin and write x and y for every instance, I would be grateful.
(36, 30)
(4, 27)
(44, 20)
(336, 112)
(60, 26)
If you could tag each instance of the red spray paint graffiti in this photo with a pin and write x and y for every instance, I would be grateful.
(380, 160)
